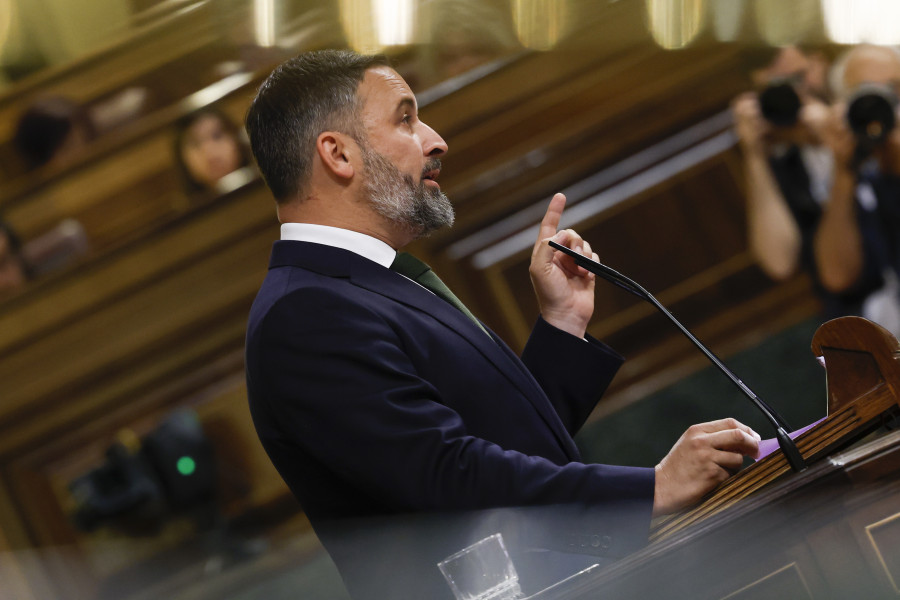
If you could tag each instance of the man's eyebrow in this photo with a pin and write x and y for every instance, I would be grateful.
(406, 103)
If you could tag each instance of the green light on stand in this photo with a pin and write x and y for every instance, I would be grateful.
(186, 465)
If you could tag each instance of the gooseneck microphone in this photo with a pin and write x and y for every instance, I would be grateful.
(787, 445)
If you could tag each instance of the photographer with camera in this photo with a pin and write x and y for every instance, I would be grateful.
(787, 169)
(857, 240)
(784, 130)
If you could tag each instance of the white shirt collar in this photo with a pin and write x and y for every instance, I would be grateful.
(359, 243)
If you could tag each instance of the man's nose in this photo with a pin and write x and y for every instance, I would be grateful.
(432, 143)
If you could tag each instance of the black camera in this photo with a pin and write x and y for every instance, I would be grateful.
(780, 103)
(173, 472)
(872, 113)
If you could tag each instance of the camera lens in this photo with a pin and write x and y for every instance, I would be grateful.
(871, 112)
(779, 103)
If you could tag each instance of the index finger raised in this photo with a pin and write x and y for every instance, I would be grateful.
(550, 222)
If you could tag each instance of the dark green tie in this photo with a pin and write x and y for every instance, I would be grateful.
(410, 266)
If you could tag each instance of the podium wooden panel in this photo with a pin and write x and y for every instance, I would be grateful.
(830, 531)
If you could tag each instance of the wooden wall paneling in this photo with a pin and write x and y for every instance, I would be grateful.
(636, 78)
(562, 97)
(672, 89)
(84, 400)
(788, 570)
(759, 560)
(885, 543)
(873, 522)
(785, 582)
(123, 380)
(147, 202)
(853, 563)
(621, 29)
(103, 349)
(115, 178)
(50, 304)
(114, 67)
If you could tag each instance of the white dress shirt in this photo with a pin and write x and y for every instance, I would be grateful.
(359, 243)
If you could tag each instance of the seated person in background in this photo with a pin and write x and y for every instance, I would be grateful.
(57, 248)
(53, 250)
(56, 131)
(858, 239)
(788, 172)
(208, 146)
(13, 270)
(52, 131)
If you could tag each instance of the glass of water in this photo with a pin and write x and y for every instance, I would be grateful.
(482, 571)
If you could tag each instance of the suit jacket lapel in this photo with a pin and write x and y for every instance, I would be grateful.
(364, 273)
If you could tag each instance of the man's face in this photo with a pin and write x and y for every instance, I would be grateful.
(400, 155)
(419, 207)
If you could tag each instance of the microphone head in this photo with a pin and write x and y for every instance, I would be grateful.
(607, 273)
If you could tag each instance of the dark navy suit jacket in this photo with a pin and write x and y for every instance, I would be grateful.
(407, 433)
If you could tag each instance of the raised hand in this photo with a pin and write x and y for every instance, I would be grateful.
(565, 291)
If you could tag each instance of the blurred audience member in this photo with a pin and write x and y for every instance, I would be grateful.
(13, 270)
(789, 170)
(52, 130)
(55, 130)
(56, 249)
(859, 237)
(53, 250)
(208, 146)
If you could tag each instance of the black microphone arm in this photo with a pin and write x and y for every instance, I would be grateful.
(787, 445)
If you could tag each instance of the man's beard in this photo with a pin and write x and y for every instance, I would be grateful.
(396, 196)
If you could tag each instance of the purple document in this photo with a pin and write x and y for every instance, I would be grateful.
(770, 445)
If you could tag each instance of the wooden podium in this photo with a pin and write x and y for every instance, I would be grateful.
(831, 531)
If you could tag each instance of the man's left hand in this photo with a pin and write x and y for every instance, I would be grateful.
(565, 291)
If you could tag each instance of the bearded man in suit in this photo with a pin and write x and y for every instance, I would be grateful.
(404, 426)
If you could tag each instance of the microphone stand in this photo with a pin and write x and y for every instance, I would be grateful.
(787, 445)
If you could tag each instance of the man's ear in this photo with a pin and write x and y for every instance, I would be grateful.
(335, 151)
